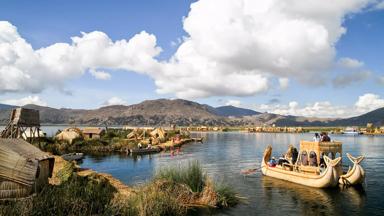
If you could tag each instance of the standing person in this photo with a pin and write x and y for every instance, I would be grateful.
(316, 138)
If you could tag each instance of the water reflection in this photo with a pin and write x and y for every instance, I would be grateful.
(223, 155)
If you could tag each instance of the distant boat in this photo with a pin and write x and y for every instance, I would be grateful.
(73, 156)
(351, 131)
(145, 150)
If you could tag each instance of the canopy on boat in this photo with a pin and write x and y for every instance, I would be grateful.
(331, 149)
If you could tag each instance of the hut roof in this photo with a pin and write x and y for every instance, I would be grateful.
(19, 161)
(158, 131)
(92, 130)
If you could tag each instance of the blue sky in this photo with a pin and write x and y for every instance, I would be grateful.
(44, 23)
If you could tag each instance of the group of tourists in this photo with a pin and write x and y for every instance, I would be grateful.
(323, 137)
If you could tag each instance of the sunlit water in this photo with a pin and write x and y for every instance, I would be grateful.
(224, 155)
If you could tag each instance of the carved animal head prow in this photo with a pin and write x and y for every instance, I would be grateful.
(268, 152)
(354, 160)
(331, 162)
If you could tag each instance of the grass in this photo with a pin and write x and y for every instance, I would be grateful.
(76, 196)
(191, 175)
(173, 191)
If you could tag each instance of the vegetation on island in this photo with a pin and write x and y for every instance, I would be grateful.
(172, 191)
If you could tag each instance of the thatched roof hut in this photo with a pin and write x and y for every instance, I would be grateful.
(93, 132)
(24, 169)
(69, 134)
(158, 133)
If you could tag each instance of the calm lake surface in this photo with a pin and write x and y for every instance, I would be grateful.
(224, 155)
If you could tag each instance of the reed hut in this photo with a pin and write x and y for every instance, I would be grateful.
(69, 134)
(159, 133)
(93, 133)
(24, 169)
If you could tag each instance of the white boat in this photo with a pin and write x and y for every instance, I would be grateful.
(351, 131)
(354, 175)
(73, 156)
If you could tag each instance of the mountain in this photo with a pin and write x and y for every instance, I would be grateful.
(6, 106)
(376, 117)
(228, 111)
(164, 112)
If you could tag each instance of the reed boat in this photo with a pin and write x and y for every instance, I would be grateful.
(145, 150)
(308, 176)
(356, 175)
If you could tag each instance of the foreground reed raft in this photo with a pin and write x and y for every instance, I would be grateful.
(173, 191)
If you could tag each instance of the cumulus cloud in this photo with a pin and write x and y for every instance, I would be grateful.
(115, 101)
(345, 79)
(101, 75)
(234, 53)
(379, 6)
(325, 109)
(235, 103)
(350, 63)
(284, 83)
(381, 80)
(23, 69)
(24, 101)
(369, 102)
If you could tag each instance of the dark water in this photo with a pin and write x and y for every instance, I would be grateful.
(224, 155)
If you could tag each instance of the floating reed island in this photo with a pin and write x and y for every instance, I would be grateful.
(124, 140)
(75, 191)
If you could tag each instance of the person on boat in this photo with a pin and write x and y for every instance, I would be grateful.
(140, 146)
(295, 154)
(316, 138)
(282, 160)
(325, 137)
(272, 162)
(288, 155)
(312, 159)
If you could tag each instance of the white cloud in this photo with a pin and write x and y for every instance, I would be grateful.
(23, 69)
(235, 103)
(364, 104)
(24, 101)
(379, 5)
(369, 102)
(234, 53)
(284, 83)
(115, 101)
(350, 63)
(101, 75)
(345, 79)
(381, 80)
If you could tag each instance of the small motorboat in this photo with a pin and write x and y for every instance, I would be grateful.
(351, 131)
(145, 150)
(354, 175)
(73, 156)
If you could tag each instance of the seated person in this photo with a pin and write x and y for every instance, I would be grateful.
(272, 162)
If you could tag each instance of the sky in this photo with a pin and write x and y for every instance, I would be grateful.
(317, 58)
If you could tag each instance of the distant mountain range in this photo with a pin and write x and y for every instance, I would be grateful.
(163, 112)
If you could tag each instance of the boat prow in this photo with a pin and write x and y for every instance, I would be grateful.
(296, 174)
(356, 175)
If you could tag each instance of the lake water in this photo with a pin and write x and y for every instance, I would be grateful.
(224, 155)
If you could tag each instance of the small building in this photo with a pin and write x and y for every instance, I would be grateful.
(68, 135)
(93, 133)
(24, 169)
